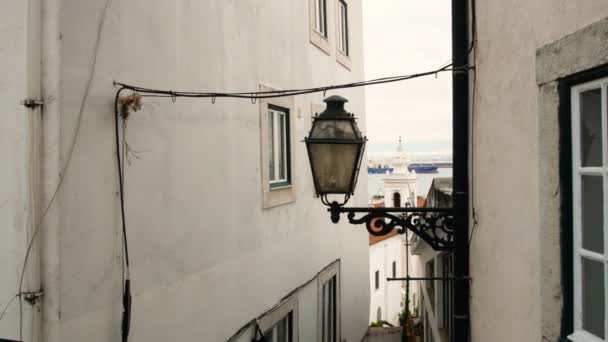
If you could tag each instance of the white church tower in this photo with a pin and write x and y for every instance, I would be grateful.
(400, 184)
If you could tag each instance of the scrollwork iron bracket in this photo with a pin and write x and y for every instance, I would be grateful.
(433, 225)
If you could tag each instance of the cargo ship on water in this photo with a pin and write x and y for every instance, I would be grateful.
(423, 168)
(418, 168)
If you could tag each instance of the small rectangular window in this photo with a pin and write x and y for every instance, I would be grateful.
(377, 279)
(278, 147)
(320, 11)
(394, 269)
(343, 27)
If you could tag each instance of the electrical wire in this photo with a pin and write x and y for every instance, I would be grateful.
(126, 297)
(7, 306)
(254, 95)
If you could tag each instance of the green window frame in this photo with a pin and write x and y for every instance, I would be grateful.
(279, 147)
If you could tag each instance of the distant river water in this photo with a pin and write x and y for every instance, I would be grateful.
(423, 182)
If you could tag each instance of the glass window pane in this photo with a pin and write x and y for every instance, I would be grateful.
(323, 313)
(591, 127)
(322, 17)
(592, 204)
(269, 335)
(282, 147)
(593, 296)
(317, 21)
(271, 145)
(343, 27)
(334, 165)
(282, 330)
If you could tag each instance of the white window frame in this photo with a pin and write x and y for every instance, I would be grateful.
(280, 135)
(578, 170)
(320, 17)
(319, 25)
(343, 41)
(271, 319)
(331, 271)
(342, 14)
(275, 196)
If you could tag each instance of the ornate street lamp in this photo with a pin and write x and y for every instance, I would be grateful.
(335, 150)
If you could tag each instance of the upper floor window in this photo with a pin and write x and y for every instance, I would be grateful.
(343, 27)
(320, 16)
(319, 29)
(277, 153)
(590, 177)
(278, 146)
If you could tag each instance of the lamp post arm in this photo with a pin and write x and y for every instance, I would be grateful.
(433, 225)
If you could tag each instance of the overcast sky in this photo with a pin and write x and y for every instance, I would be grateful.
(404, 37)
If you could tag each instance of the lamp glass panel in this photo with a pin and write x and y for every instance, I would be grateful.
(333, 129)
(333, 166)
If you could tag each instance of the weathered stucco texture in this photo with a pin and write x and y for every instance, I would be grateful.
(582, 50)
(510, 189)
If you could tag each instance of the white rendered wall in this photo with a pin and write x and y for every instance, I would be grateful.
(20, 79)
(205, 256)
(505, 249)
(388, 296)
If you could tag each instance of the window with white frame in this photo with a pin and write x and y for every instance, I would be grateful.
(343, 27)
(281, 323)
(590, 199)
(328, 310)
(278, 147)
(329, 304)
(320, 17)
(282, 331)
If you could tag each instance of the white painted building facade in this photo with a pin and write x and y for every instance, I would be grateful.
(387, 255)
(386, 297)
(212, 245)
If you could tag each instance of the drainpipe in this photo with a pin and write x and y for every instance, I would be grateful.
(460, 145)
(30, 285)
(51, 169)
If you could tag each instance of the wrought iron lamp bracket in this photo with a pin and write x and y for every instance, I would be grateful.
(433, 225)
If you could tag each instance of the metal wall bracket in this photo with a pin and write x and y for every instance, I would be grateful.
(433, 225)
(32, 103)
(32, 297)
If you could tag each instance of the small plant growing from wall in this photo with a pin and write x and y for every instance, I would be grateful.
(129, 104)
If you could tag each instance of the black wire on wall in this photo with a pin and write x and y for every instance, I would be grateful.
(254, 95)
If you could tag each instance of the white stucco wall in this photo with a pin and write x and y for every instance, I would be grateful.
(206, 258)
(19, 67)
(505, 258)
(388, 296)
